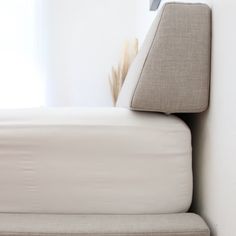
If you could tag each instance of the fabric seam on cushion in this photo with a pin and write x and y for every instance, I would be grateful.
(110, 233)
(149, 109)
(163, 10)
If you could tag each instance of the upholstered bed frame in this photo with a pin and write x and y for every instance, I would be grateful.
(114, 171)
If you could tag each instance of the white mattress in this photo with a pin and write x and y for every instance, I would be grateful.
(88, 161)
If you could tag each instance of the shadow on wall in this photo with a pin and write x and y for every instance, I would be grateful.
(214, 132)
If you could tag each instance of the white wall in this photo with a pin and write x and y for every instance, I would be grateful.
(215, 131)
(85, 40)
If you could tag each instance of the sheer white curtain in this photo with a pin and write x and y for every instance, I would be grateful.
(60, 52)
(21, 72)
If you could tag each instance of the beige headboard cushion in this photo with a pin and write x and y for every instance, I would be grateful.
(171, 72)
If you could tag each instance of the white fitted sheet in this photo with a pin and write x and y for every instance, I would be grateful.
(98, 160)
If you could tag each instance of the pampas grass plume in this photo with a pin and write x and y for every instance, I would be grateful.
(119, 73)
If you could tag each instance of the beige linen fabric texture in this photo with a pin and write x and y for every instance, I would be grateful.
(186, 224)
(172, 72)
